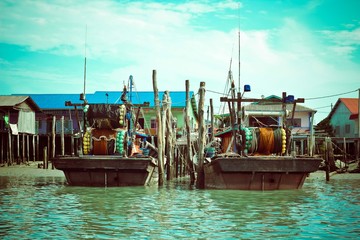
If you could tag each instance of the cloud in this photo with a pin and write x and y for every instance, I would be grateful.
(137, 37)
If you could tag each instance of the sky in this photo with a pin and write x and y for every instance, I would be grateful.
(306, 48)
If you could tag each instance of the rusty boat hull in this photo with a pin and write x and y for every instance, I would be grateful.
(259, 172)
(107, 171)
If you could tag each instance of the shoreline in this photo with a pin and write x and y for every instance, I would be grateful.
(31, 169)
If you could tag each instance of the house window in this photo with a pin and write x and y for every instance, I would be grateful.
(153, 123)
(297, 122)
(337, 130)
(347, 128)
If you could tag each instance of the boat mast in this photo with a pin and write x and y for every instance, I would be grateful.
(84, 92)
(239, 88)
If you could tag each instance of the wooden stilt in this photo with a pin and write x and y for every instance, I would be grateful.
(159, 130)
(62, 137)
(188, 153)
(200, 183)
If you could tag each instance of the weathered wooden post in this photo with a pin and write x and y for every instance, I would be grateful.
(327, 156)
(23, 148)
(2, 148)
(169, 136)
(212, 121)
(27, 147)
(200, 182)
(53, 135)
(62, 136)
(45, 158)
(163, 134)
(189, 161)
(37, 146)
(159, 130)
(33, 148)
(18, 148)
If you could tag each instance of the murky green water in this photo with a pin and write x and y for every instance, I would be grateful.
(45, 208)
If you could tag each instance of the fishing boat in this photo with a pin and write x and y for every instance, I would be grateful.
(111, 152)
(256, 158)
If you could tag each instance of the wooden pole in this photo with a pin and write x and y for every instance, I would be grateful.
(159, 130)
(27, 147)
(18, 148)
(344, 152)
(53, 135)
(33, 147)
(37, 147)
(23, 148)
(172, 140)
(200, 183)
(327, 165)
(62, 136)
(212, 120)
(10, 148)
(45, 158)
(2, 148)
(312, 138)
(188, 154)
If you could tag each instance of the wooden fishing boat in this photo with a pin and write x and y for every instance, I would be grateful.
(108, 170)
(258, 172)
(111, 153)
(259, 158)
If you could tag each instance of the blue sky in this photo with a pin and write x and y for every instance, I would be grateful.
(309, 49)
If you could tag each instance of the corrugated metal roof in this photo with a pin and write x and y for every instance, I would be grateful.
(276, 107)
(10, 101)
(350, 103)
(57, 101)
(13, 101)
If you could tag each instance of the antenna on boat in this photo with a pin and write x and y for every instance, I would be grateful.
(84, 91)
(239, 87)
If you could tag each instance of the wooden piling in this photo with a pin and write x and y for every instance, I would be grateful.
(37, 147)
(200, 183)
(188, 154)
(53, 136)
(27, 147)
(23, 158)
(33, 148)
(159, 130)
(18, 148)
(212, 121)
(169, 139)
(10, 162)
(62, 136)
(328, 149)
(45, 158)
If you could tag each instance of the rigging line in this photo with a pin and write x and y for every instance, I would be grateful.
(334, 95)
(323, 107)
(146, 125)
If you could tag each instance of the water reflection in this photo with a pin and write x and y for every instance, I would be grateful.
(47, 208)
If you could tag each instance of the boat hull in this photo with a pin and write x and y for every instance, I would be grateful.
(107, 171)
(259, 173)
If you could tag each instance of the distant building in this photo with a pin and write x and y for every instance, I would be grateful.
(344, 117)
(17, 129)
(265, 114)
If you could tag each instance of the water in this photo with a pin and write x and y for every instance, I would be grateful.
(45, 208)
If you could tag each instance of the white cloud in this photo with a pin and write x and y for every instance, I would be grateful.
(137, 37)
